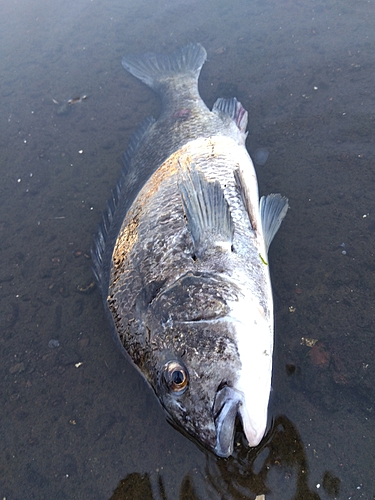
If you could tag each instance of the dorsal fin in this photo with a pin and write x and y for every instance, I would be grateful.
(100, 239)
(135, 141)
(207, 211)
(273, 209)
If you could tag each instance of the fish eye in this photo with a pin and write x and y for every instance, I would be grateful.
(176, 377)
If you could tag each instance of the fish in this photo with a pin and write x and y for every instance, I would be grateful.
(181, 258)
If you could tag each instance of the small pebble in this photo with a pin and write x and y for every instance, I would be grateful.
(17, 368)
(83, 342)
(53, 343)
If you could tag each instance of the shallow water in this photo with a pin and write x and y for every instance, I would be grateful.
(77, 421)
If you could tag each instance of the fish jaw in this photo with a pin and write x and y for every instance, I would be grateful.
(254, 332)
(232, 404)
(252, 409)
(226, 406)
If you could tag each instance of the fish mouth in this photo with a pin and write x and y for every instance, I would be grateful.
(226, 407)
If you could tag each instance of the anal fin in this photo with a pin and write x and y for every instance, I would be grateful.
(207, 211)
(234, 109)
(273, 209)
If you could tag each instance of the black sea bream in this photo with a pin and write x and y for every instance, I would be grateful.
(181, 257)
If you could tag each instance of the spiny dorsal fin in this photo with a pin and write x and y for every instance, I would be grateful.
(100, 240)
(273, 209)
(207, 211)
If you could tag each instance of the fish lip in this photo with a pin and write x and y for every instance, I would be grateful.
(226, 407)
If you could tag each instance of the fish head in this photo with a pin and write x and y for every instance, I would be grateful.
(193, 382)
(210, 370)
(207, 384)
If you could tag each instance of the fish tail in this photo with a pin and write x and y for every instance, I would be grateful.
(159, 70)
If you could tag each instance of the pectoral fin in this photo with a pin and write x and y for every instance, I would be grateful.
(207, 211)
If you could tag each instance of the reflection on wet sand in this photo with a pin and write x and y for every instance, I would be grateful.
(277, 469)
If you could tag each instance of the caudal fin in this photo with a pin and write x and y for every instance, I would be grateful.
(155, 69)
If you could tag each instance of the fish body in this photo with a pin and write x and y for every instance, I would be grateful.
(181, 257)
